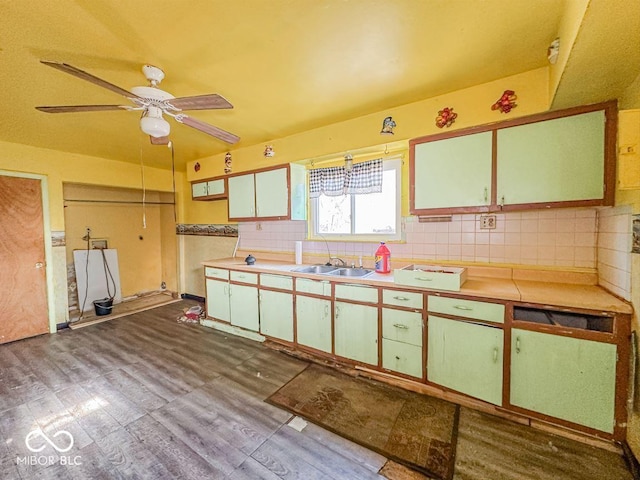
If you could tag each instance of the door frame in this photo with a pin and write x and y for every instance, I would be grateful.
(48, 252)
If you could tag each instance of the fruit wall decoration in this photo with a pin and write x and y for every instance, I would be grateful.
(446, 117)
(506, 102)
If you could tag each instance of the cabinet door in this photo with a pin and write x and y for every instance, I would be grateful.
(244, 306)
(313, 321)
(356, 332)
(242, 198)
(466, 357)
(272, 193)
(276, 314)
(564, 377)
(401, 357)
(552, 161)
(198, 189)
(215, 187)
(455, 172)
(218, 299)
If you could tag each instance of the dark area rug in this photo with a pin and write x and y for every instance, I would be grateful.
(416, 430)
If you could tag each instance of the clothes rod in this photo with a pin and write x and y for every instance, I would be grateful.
(120, 201)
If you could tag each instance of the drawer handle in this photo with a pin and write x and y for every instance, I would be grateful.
(424, 279)
(517, 344)
(213, 273)
(242, 276)
(462, 307)
(401, 326)
(495, 354)
(402, 299)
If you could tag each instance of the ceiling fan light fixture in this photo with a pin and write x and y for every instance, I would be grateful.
(153, 124)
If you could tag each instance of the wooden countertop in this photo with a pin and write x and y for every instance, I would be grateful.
(502, 286)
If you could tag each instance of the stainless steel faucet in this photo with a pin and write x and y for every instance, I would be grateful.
(337, 262)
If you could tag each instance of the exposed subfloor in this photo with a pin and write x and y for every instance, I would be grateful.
(147, 397)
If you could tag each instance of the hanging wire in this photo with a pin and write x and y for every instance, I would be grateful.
(173, 178)
(144, 191)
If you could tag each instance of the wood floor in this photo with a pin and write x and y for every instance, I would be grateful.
(146, 397)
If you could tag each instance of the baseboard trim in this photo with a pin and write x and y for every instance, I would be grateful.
(631, 460)
(189, 296)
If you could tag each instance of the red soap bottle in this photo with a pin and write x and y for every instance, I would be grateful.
(383, 259)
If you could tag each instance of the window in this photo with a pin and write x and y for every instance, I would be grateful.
(373, 216)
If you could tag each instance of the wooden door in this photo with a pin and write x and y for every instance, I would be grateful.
(23, 285)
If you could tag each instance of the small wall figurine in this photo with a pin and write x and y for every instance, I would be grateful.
(268, 151)
(446, 117)
(387, 126)
(227, 162)
(506, 102)
(196, 167)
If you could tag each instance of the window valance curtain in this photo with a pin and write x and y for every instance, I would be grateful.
(364, 177)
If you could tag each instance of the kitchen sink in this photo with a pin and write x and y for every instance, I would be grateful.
(316, 269)
(351, 272)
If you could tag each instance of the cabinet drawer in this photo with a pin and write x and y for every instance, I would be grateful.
(358, 293)
(491, 312)
(316, 287)
(402, 299)
(216, 273)
(276, 281)
(243, 277)
(402, 326)
(402, 358)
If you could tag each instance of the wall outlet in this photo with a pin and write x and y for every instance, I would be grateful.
(487, 222)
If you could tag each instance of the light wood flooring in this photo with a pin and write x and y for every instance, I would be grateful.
(146, 397)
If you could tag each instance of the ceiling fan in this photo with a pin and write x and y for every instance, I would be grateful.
(153, 103)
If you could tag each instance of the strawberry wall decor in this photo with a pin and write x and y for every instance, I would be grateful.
(506, 102)
(446, 117)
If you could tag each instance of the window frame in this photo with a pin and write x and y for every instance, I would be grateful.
(390, 164)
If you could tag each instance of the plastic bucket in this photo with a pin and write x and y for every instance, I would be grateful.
(103, 307)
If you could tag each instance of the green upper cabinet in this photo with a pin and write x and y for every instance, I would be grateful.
(242, 196)
(453, 172)
(270, 194)
(213, 189)
(554, 159)
(559, 160)
(568, 378)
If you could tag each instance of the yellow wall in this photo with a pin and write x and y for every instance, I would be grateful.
(140, 248)
(61, 167)
(473, 106)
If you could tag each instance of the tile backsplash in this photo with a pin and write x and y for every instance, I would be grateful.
(614, 250)
(559, 237)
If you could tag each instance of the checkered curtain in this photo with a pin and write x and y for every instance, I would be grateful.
(365, 177)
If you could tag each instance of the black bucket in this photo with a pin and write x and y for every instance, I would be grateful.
(103, 306)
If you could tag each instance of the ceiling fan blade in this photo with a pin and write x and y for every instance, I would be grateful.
(90, 78)
(79, 108)
(159, 140)
(200, 102)
(208, 129)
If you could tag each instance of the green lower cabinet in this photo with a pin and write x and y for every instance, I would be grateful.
(218, 299)
(243, 302)
(402, 357)
(276, 314)
(356, 332)
(563, 377)
(466, 357)
(313, 320)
